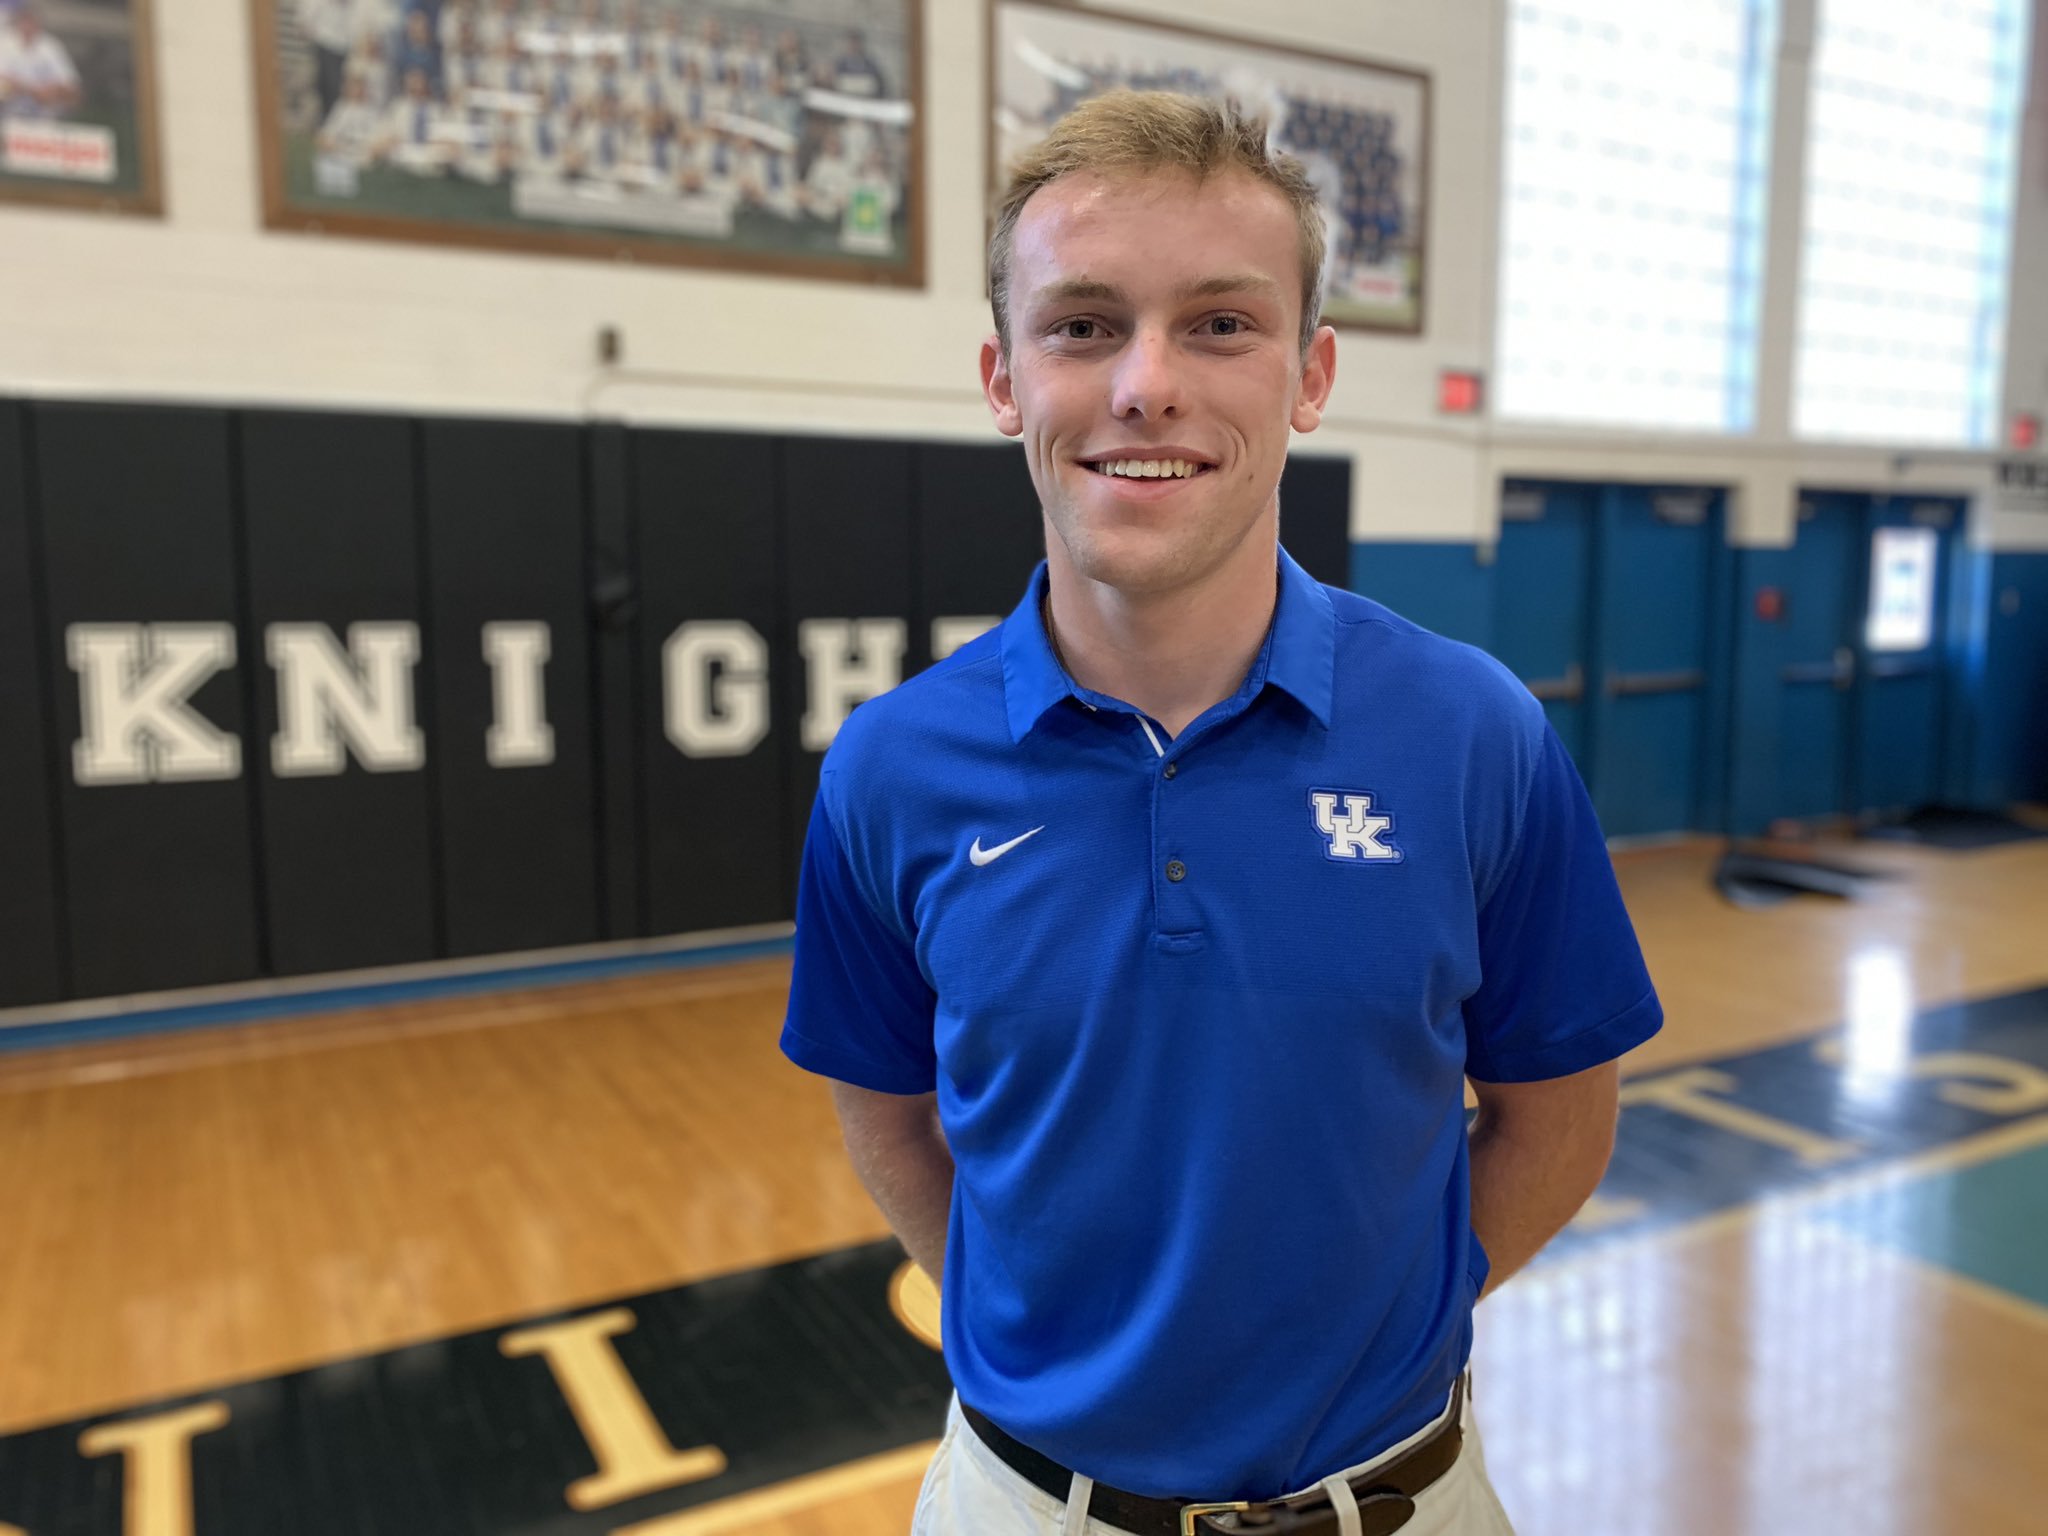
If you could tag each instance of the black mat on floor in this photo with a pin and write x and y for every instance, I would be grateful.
(1763, 877)
(1955, 828)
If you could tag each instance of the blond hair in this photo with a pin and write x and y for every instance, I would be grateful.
(1148, 131)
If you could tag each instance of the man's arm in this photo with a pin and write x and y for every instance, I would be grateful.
(1538, 1150)
(901, 1156)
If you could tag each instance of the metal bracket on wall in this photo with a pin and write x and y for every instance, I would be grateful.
(1680, 509)
(1521, 504)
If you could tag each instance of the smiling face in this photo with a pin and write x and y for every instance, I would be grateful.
(1154, 369)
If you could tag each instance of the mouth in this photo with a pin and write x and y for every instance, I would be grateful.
(1156, 465)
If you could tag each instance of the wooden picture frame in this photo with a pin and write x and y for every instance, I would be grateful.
(1361, 126)
(608, 129)
(78, 106)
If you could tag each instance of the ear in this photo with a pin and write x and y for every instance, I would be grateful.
(1318, 376)
(996, 385)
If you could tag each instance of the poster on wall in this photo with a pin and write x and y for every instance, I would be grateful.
(779, 136)
(1361, 128)
(77, 104)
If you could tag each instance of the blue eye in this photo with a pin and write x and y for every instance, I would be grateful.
(1078, 330)
(1232, 324)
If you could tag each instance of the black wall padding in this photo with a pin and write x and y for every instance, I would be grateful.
(979, 534)
(613, 606)
(332, 537)
(1315, 517)
(713, 828)
(674, 789)
(31, 960)
(137, 514)
(505, 542)
(846, 507)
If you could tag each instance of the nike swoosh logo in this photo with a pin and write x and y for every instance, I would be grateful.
(978, 855)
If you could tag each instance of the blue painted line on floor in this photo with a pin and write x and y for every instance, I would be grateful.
(257, 1010)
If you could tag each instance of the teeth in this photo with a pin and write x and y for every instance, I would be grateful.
(1148, 469)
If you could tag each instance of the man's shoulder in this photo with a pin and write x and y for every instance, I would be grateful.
(1379, 649)
(950, 703)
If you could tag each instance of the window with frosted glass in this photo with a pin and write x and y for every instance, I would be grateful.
(1638, 137)
(1912, 134)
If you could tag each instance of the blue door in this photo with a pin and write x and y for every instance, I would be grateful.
(1900, 688)
(1653, 727)
(1605, 606)
(1542, 619)
(1817, 673)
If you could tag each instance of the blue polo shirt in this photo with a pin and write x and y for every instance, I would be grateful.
(1198, 1013)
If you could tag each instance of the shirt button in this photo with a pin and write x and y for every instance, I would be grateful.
(1176, 871)
(1172, 769)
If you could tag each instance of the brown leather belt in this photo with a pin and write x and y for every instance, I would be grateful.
(1386, 1494)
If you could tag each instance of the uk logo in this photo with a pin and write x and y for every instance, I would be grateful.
(1354, 834)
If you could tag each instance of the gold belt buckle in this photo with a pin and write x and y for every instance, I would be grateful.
(1190, 1513)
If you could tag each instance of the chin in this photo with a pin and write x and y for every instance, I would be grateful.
(1132, 560)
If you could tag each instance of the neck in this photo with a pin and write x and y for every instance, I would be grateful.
(1172, 654)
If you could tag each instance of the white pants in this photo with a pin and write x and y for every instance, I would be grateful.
(969, 1491)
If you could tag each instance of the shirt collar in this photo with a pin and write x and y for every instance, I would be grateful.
(1033, 680)
(1300, 655)
(1304, 640)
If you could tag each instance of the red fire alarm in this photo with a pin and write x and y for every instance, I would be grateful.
(1459, 392)
(2026, 431)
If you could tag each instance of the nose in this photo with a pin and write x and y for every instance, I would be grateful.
(1147, 384)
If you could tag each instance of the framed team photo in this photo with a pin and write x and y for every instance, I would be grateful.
(1360, 127)
(774, 137)
(78, 105)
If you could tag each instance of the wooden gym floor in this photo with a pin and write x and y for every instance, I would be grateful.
(1812, 1296)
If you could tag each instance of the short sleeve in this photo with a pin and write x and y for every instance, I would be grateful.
(1562, 981)
(860, 1009)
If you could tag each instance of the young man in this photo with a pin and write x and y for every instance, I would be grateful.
(1150, 939)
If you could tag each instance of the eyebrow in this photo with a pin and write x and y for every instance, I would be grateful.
(1229, 282)
(1069, 289)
